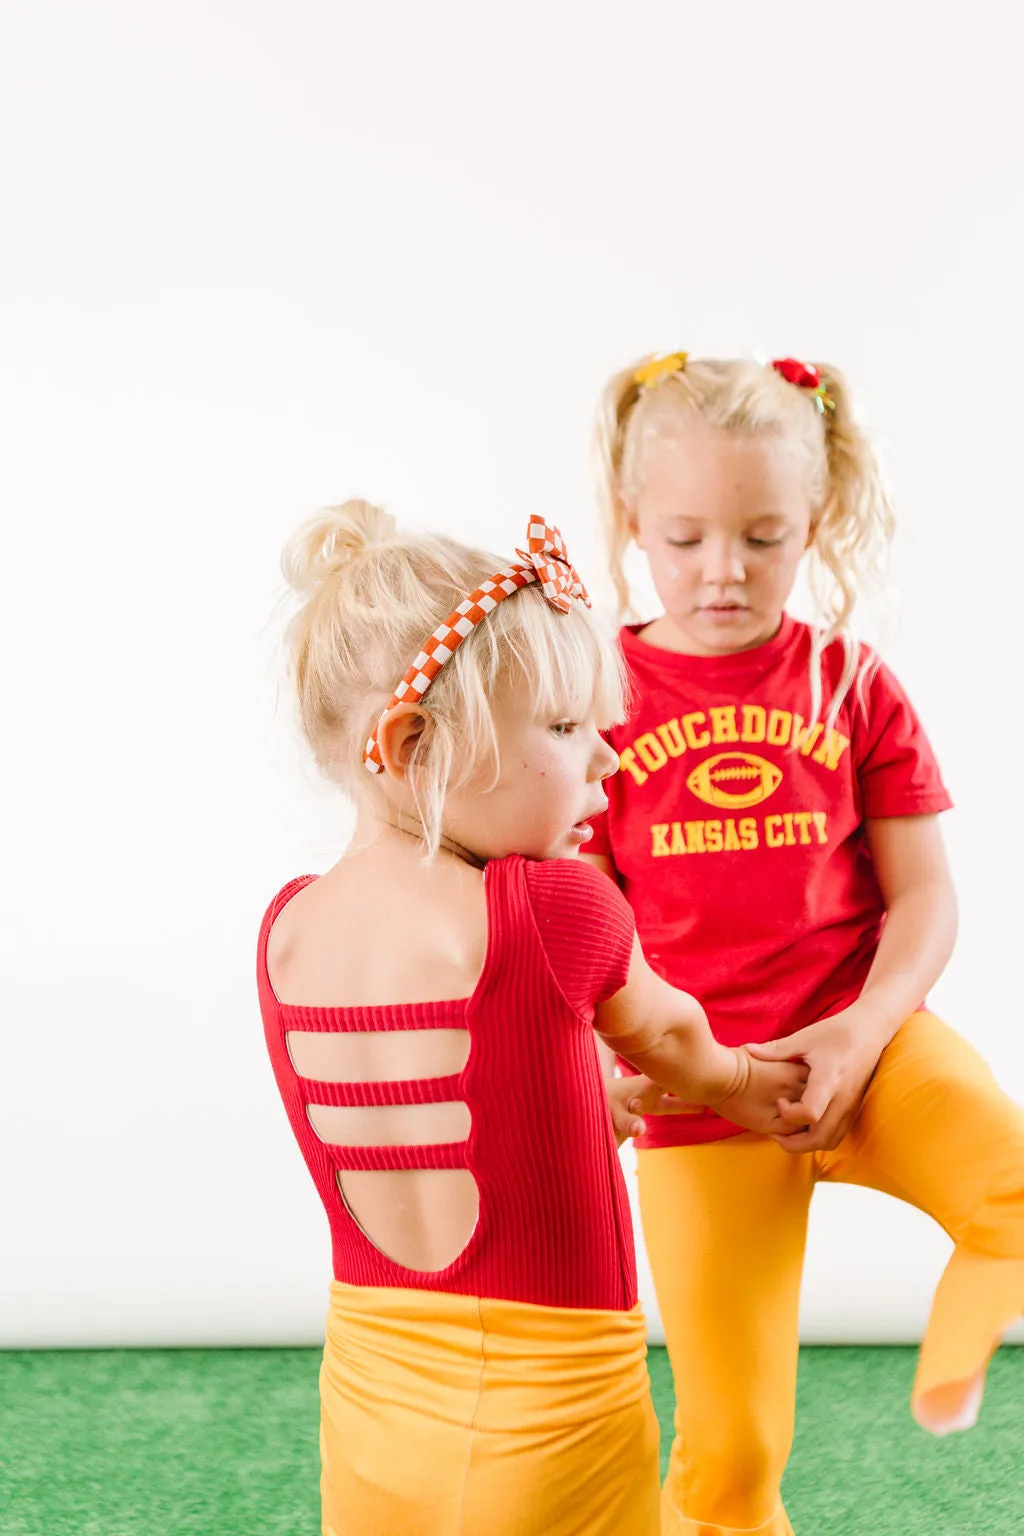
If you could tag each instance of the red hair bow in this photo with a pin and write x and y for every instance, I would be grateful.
(805, 376)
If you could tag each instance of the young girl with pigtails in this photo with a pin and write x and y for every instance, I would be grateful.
(774, 827)
(429, 1006)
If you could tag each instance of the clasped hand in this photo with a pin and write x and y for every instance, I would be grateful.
(840, 1054)
(755, 1104)
(804, 1091)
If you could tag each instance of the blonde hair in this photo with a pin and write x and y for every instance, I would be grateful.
(369, 598)
(852, 519)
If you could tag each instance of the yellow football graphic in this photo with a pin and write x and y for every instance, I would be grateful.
(734, 780)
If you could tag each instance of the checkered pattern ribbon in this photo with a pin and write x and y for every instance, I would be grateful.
(544, 560)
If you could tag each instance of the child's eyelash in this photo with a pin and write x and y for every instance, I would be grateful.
(692, 543)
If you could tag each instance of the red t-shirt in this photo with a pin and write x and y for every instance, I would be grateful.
(738, 835)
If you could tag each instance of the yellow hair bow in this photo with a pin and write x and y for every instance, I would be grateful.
(658, 368)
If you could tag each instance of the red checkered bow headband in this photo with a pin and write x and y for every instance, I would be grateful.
(544, 560)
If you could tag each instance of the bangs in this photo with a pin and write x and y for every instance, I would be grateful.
(570, 663)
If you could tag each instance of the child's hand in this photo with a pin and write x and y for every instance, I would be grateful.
(629, 1098)
(757, 1103)
(841, 1053)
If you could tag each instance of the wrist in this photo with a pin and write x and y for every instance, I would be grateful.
(735, 1076)
(874, 1018)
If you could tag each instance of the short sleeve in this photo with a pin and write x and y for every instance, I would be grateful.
(897, 771)
(586, 927)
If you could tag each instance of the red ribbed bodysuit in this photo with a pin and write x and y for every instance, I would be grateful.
(554, 1224)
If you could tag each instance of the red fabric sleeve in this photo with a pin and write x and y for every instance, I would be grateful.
(897, 771)
(586, 927)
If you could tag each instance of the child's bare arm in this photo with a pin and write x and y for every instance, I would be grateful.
(664, 1033)
(842, 1051)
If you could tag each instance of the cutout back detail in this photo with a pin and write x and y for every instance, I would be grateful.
(377, 1056)
(385, 1104)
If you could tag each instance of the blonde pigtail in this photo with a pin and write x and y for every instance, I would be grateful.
(614, 410)
(850, 539)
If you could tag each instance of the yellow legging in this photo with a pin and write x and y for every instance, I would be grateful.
(447, 1415)
(725, 1226)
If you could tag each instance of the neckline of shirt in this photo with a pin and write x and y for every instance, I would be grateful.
(425, 1013)
(757, 660)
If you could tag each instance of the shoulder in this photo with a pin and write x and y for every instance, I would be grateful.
(275, 936)
(577, 906)
(570, 889)
(585, 926)
(573, 883)
(856, 668)
(285, 894)
(643, 659)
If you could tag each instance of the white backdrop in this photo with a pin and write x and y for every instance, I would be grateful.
(257, 257)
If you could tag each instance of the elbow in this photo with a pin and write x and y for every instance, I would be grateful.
(945, 909)
(695, 1017)
(953, 921)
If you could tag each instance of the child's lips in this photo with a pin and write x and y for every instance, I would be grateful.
(582, 831)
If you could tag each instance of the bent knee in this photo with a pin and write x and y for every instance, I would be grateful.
(733, 1478)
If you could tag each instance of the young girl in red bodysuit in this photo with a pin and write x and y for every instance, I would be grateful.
(429, 1007)
(775, 829)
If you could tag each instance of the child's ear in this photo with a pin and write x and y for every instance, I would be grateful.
(401, 734)
(631, 521)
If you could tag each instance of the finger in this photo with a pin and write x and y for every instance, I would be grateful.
(818, 1138)
(791, 1082)
(791, 1048)
(837, 1133)
(798, 1141)
(815, 1099)
(792, 1114)
(640, 1090)
(668, 1104)
(788, 1143)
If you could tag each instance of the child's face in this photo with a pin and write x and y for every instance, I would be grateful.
(549, 784)
(724, 520)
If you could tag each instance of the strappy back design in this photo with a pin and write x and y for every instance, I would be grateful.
(554, 1225)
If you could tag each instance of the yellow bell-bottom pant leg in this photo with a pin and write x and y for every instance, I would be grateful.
(725, 1226)
(937, 1131)
(447, 1415)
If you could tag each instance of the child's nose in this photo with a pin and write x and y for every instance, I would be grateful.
(723, 565)
(607, 761)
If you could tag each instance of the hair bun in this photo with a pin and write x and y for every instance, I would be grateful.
(332, 540)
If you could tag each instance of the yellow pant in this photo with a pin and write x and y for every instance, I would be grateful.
(725, 1226)
(450, 1416)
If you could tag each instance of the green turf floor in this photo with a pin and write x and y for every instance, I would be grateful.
(223, 1443)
